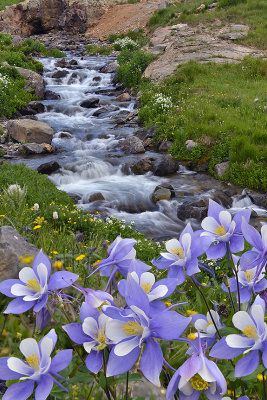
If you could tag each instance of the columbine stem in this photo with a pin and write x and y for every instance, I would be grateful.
(236, 275)
(127, 383)
(208, 308)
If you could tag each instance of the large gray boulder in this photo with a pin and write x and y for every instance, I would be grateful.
(133, 145)
(166, 166)
(27, 130)
(12, 247)
(34, 81)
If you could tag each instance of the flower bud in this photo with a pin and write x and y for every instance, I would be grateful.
(36, 207)
(55, 215)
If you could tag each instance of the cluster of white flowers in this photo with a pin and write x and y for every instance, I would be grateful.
(15, 189)
(162, 102)
(125, 43)
(4, 81)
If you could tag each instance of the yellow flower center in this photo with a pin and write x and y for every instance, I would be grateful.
(249, 275)
(33, 362)
(178, 251)
(198, 383)
(220, 231)
(250, 332)
(192, 336)
(34, 285)
(146, 287)
(101, 338)
(132, 328)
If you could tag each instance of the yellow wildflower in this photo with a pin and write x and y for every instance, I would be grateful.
(2, 215)
(81, 257)
(96, 263)
(58, 264)
(54, 252)
(26, 259)
(68, 268)
(37, 227)
(260, 377)
(191, 312)
(19, 335)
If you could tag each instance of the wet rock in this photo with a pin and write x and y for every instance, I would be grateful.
(163, 192)
(148, 143)
(30, 131)
(109, 68)
(144, 134)
(12, 247)
(90, 103)
(222, 198)
(35, 82)
(48, 147)
(33, 108)
(260, 199)
(49, 95)
(166, 166)
(48, 168)
(124, 97)
(197, 210)
(33, 148)
(221, 168)
(66, 63)
(97, 78)
(96, 197)
(133, 145)
(190, 144)
(75, 197)
(60, 74)
(164, 146)
(141, 167)
(65, 135)
(100, 111)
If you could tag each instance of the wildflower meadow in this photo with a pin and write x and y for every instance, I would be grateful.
(191, 321)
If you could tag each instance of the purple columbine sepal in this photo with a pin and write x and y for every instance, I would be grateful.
(34, 285)
(38, 368)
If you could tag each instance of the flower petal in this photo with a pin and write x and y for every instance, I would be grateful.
(247, 364)
(44, 387)
(209, 224)
(5, 286)
(27, 273)
(225, 219)
(19, 366)
(94, 361)
(172, 244)
(118, 365)
(61, 360)
(152, 361)
(7, 374)
(41, 258)
(28, 347)
(75, 332)
(125, 347)
(20, 390)
(90, 327)
(61, 279)
(18, 306)
(43, 274)
(239, 342)
(241, 320)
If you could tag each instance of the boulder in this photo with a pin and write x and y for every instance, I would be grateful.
(165, 166)
(33, 108)
(90, 103)
(96, 197)
(163, 192)
(144, 134)
(65, 135)
(164, 146)
(12, 247)
(97, 79)
(61, 73)
(124, 97)
(35, 81)
(260, 199)
(194, 209)
(30, 131)
(48, 168)
(190, 144)
(221, 168)
(48, 147)
(17, 40)
(33, 148)
(49, 95)
(75, 197)
(109, 68)
(141, 167)
(40, 16)
(133, 145)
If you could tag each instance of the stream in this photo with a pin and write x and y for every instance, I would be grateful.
(92, 162)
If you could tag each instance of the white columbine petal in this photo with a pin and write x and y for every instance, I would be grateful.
(172, 244)
(158, 292)
(43, 274)
(209, 224)
(239, 342)
(19, 366)
(89, 346)
(90, 327)
(185, 387)
(241, 320)
(264, 235)
(21, 290)
(46, 350)
(257, 314)
(27, 273)
(124, 348)
(147, 277)
(186, 241)
(206, 374)
(130, 256)
(114, 330)
(29, 347)
(201, 324)
(225, 219)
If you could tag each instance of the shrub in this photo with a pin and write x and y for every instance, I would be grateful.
(132, 65)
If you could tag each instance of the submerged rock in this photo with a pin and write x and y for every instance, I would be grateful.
(141, 167)
(96, 197)
(163, 192)
(90, 103)
(48, 168)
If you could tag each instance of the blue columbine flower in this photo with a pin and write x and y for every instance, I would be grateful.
(257, 257)
(197, 375)
(248, 282)
(252, 339)
(38, 368)
(182, 255)
(220, 227)
(91, 334)
(130, 329)
(34, 285)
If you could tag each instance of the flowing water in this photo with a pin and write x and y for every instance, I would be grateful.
(92, 161)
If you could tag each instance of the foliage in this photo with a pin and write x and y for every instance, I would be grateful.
(137, 37)
(101, 50)
(250, 12)
(222, 108)
(132, 65)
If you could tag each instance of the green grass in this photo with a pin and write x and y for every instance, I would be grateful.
(223, 108)
(5, 3)
(98, 50)
(250, 12)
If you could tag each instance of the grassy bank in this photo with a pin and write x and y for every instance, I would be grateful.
(250, 12)
(13, 97)
(5, 3)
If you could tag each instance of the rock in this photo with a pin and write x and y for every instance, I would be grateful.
(197, 210)
(190, 144)
(48, 168)
(163, 192)
(212, 6)
(148, 143)
(260, 199)
(48, 147)
(90, 103)
(35, 82)
(166, 166)
(65, 135)
(17, 40)
(133, 145)
(40, 16)
(96, 197)
(144, 134)
(30, 131)
(33, 108)
(124, 97)
(60, 74)
(221, 168)
(201, 8)
(75, 197)
(49, 95)
(66, 63)
(109, 68)
(100, 111)
(33, 148)
(165, 145)
(97, 79)
(12, 247)
(141, 167)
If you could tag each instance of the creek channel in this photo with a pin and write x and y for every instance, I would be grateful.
(92, 161)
